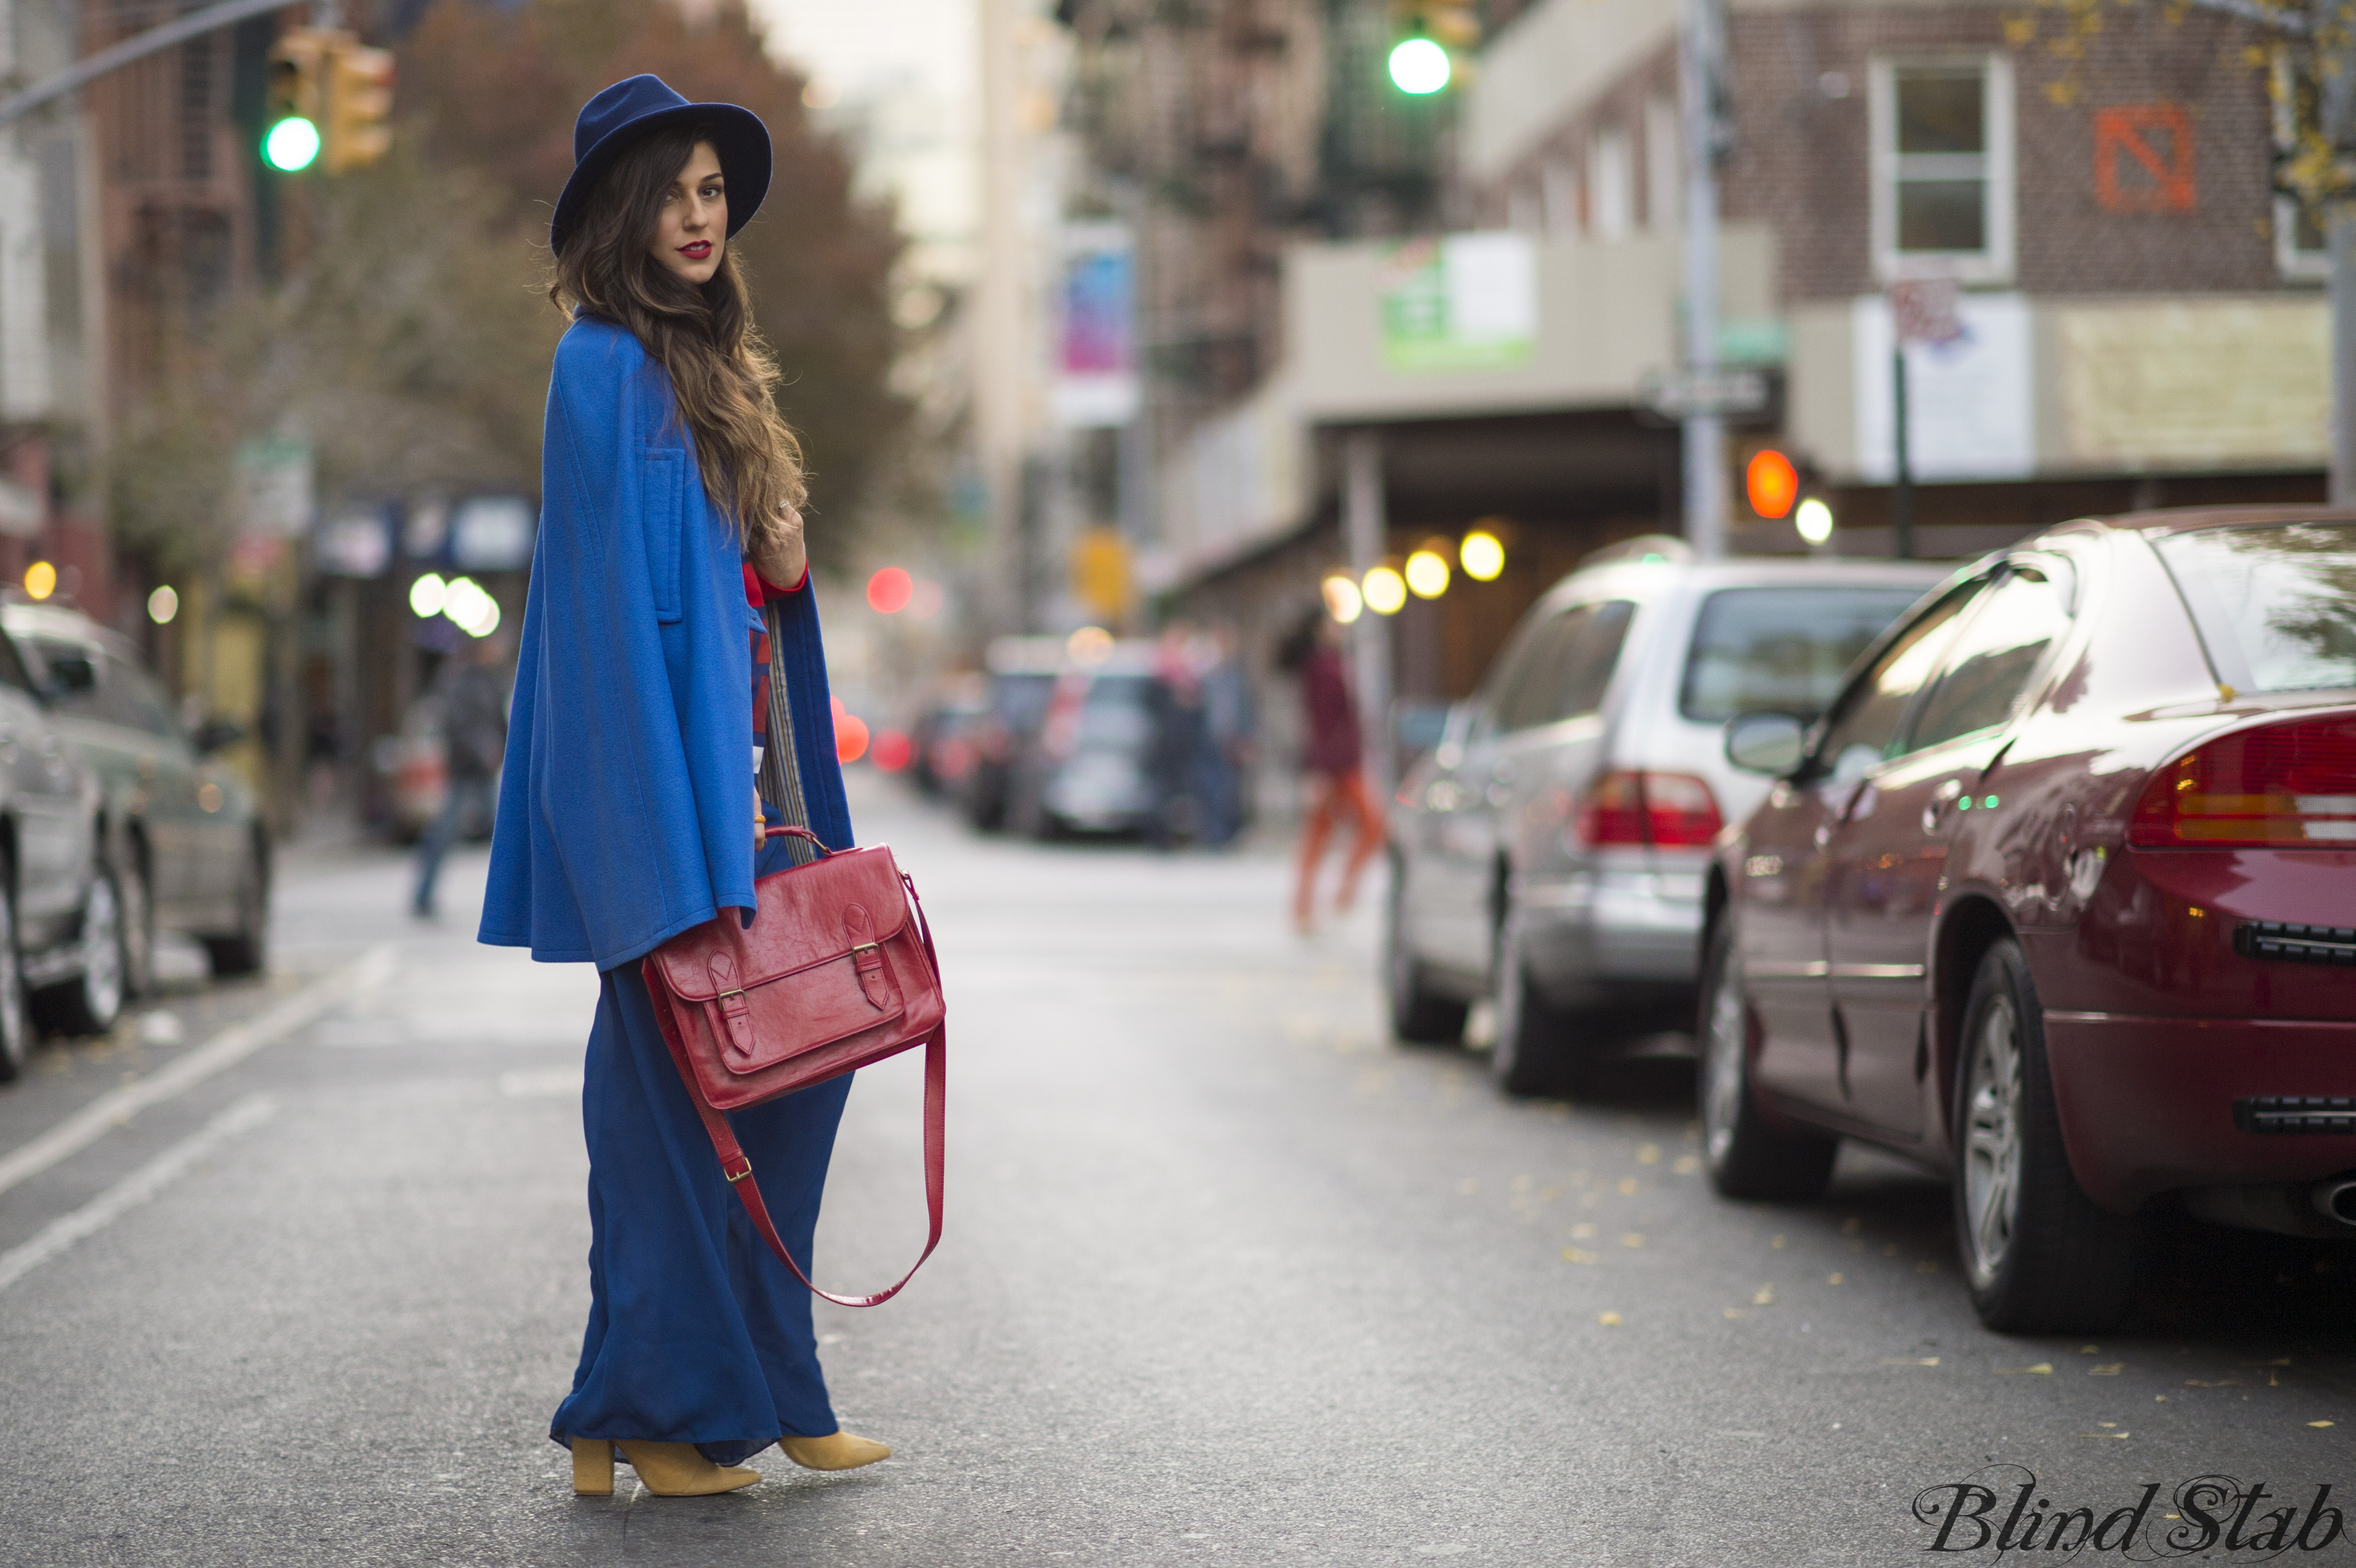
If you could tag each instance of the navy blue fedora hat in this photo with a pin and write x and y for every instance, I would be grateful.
(618, 116)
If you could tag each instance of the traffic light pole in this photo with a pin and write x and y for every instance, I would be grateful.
(1699, 59)
(139, 47)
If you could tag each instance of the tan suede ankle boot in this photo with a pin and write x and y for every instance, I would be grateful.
(835, 1451)
(677, 1470)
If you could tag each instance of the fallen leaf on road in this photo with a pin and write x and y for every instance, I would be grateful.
(2042, 1369)
(1735, 1311)
(1573, 1255)
(1686, 1165)
(1609, 1320)
(2319, 1423)
(2221, 1382)
(1766, 1297)
(1777, 1243)
(1523, 1183)
(2090, 1350)
(2122, 1436)
(1852, 1225)
(1926, 1266)
(1648, 1154)
(1627, 1187)
(1833, 1279)
(2278, 1362)
(1631, 1240)
(2108, 1369)
(1581, 1230)
(1911, 1361)
(1469, 1186)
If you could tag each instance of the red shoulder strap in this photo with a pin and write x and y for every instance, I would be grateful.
(739, 1169)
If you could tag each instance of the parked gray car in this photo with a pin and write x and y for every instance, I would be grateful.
(183, 844)
(1550, 851)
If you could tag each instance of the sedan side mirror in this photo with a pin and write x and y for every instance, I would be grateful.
(216, 735)
(1772, 743)
(72, 675)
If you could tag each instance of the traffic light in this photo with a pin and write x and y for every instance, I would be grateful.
(290, 137)
(359, 100)
(1772, 482)
(328, 99)
(1429, 40)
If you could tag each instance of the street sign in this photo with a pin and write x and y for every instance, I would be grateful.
(1924, 310)
(1681, 394)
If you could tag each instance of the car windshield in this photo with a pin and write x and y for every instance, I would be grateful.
(1021, 700)
(1781, 650)
(2277, 606)
(1117, 714)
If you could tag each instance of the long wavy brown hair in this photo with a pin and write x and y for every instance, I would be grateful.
(721, 373)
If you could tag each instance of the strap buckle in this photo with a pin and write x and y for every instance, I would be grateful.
(736, 1175)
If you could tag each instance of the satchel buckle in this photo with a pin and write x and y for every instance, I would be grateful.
(867, 947)
(723, 995)
(741, 1175)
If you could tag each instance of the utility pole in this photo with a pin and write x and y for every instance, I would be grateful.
(1700, 54)
(2337, 99)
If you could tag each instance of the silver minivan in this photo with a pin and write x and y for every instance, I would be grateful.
(1549, 852)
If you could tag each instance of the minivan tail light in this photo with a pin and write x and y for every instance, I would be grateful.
(1629, 805)
(2278, 785)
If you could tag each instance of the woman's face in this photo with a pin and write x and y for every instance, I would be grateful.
(693, 228)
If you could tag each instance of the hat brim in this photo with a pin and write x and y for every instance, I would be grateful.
(737, 135)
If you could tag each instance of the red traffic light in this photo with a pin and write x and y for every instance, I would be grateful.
(1773, 484)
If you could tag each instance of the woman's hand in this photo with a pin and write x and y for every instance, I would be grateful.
(781, 558)
(760, 823)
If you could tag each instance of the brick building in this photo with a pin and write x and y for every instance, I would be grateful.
(2143, 314)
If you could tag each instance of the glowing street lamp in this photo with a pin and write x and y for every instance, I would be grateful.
(1814, 520)
(1385, 589)
(1427, 572)
(1342, 600)
(1482, 555)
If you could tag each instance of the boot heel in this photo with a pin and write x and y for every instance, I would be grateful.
(593, 1467)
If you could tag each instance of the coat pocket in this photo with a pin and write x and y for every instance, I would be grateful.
(663, 475)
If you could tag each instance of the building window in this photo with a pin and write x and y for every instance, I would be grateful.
(1611, 185)
(2301, 250)
(1943, 193)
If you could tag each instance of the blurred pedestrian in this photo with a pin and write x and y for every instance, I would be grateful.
(1180, 736)
(1232, 723)
(670, 581)
(474, 702)
(1332, 767)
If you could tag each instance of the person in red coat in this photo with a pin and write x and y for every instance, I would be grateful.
(1333, 766)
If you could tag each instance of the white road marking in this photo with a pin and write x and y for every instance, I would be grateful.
(61, 1233)
(229, 1047)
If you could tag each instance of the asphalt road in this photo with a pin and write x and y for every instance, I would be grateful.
(1229, 1274)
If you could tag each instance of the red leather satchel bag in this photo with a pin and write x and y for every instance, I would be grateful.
(835, 971)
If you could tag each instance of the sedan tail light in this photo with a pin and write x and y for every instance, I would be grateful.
(1665, 810)
(2278, 785)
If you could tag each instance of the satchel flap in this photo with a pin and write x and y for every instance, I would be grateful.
(808, 915)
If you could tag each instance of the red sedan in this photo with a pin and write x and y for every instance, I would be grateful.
(2059, 898)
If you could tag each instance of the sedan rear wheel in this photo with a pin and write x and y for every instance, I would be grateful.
(1539, 1048)
(1745, 1155)
(16, 1011)
(2040, 1257)
(247, 951)
(1417, 1013)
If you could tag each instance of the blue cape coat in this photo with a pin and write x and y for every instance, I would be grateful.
(625, 804)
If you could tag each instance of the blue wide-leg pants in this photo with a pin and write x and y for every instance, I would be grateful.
(697, 1333)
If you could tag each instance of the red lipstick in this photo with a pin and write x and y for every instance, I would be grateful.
(696, 251)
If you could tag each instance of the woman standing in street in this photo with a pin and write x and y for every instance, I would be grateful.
(1334, 766)
(670, 702)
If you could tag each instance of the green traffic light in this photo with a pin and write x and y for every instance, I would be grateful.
(292, 144)
(1420, 67)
